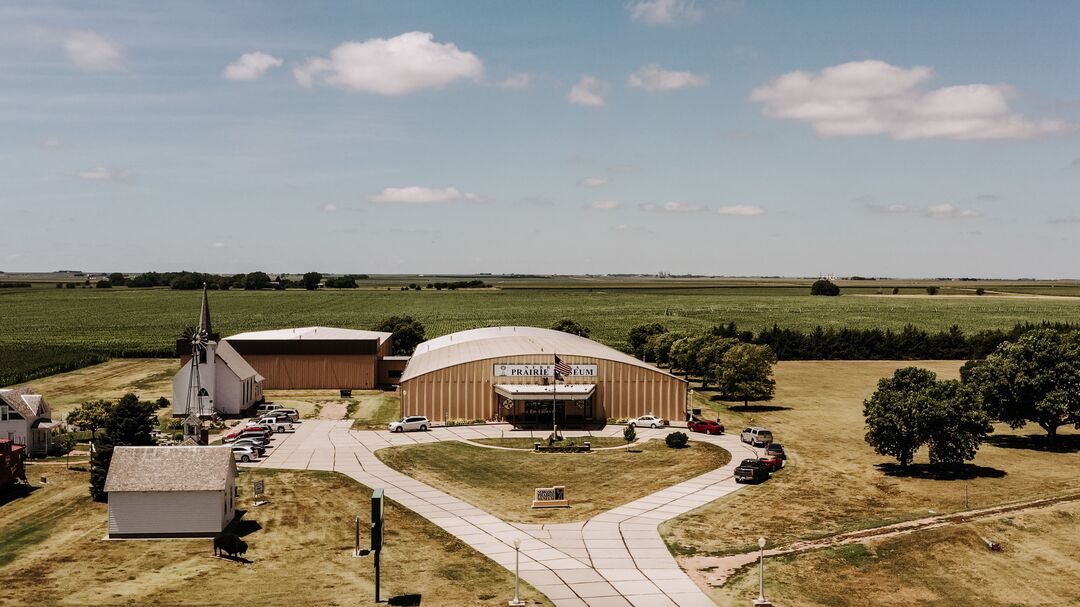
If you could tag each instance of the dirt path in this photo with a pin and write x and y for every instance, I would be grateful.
(715, 571)
(333, 410)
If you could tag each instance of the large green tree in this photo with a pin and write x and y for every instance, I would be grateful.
(130, 423)
(658, 347)
(746, 372)
(90, 416)
(311, 280)
(256, 281)
(641, 334)
(408, 332)
(824, 287)
(1035, 378)
(709, 358)
(958, 425)
(899, 415)
(572, 327)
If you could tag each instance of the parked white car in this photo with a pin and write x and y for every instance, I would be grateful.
(648, 421)
(409, 424)
(255, 444)
(278, 424)
(244, 454)
(292, 414)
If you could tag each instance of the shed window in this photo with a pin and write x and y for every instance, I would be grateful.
(3, 413)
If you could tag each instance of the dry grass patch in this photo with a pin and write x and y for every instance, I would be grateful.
(53, 552)
(502, 482)
(948, 566)
(834, 482)
(149, 378)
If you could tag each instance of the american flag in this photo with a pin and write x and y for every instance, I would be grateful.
(562, 369)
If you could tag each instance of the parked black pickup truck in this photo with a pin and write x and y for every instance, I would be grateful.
(751, 471)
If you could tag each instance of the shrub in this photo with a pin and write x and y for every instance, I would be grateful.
(980, 291)
(676, 440)
(824, 287)
(932, 290)
(464, 422)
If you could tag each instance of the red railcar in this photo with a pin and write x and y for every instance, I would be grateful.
(11, 462)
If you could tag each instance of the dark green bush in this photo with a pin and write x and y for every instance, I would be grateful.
(677, 440)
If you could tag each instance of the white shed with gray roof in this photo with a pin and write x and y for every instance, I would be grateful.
(170, 491)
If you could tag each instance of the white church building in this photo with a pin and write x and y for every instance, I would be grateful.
(223, 383)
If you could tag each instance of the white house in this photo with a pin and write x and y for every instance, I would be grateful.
(26, 419)
(226, 382)
(170, 491)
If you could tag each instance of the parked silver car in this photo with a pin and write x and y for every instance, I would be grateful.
(244, 454)
(757, 437)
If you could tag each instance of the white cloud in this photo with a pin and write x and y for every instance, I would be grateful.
(949, 211)
(517, 81)
(878, 207)
(404, 64)
(53, 144)
(251, 66)
(742, 210)
(672, 207)
(593, 182)
(1066, 220)
(105, 175)
(218, 245)
(421, 195)
(589, 91)
(865, 98)
(94, 52)
(328, 208)
(654, 78)
(605, 205)
(664, 12)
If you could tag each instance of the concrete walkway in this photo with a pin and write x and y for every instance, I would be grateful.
(614, 558)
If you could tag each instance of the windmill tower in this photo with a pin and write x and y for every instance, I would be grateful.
(200, 402)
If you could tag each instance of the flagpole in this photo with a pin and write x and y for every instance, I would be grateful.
(554, 383)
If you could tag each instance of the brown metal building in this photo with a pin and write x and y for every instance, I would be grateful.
(506, 373)
(313, 358)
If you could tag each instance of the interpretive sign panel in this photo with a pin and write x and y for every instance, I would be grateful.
(550, 497)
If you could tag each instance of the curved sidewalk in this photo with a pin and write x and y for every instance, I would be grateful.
(614, 558)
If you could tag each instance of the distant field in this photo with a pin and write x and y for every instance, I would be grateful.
(42, 326)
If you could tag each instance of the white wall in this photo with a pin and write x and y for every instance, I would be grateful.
(169, 512)
(16, 429)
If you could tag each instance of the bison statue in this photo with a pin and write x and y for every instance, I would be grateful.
(230, 544)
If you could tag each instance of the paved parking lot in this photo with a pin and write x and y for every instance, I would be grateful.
(614, 558)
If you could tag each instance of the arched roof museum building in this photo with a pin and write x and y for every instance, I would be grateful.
(506, 373)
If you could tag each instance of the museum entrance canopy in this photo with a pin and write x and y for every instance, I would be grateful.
(566, 392)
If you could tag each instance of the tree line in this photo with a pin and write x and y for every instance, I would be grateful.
(252, 281)
(653, 342)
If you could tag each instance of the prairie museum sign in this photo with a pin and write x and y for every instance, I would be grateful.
(542, 370)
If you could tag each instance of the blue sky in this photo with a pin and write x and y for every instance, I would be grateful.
(756, 138)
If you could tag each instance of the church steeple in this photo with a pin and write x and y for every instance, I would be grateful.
(204, 314)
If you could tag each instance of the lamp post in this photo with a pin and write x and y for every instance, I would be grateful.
(516, 601)
(761, 601)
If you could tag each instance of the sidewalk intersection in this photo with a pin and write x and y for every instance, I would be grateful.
(616, 558)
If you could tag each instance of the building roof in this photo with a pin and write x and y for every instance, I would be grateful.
(170, 469)
(496, 342)
(311, 333)
(26, 401)
(234, 361)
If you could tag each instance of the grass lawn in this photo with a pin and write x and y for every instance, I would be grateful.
(375, 409)
(300, 544)
(502, 482)
(834, 482)
(527, 443)
(149, 378)
(950, 566)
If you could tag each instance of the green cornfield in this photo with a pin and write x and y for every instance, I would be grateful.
(39, 327)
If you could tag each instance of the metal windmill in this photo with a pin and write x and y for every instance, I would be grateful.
(200, 337)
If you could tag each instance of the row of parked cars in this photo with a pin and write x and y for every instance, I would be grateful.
(251, 441)
(757, 470)
(750, 470)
